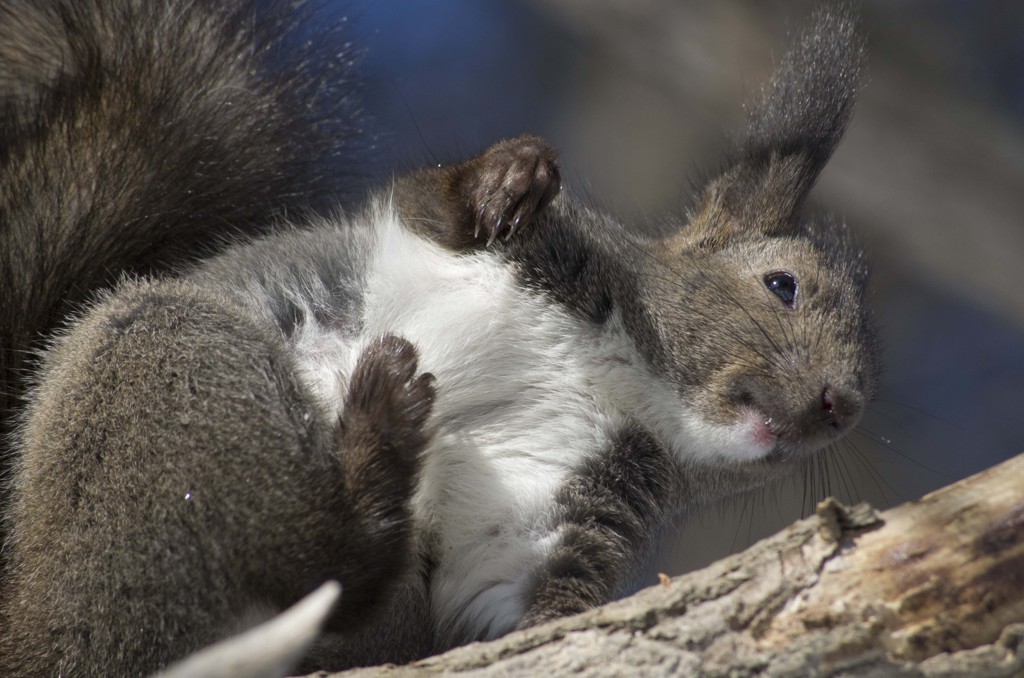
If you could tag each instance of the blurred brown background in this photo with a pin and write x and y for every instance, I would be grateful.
(641, 95)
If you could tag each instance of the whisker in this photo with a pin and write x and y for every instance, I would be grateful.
(790, 339)
(805, 498)
(876, 438)
(916, 410)
(684, 285)
(739, 522)
(835, 469)
(876, 477)
(827, 474)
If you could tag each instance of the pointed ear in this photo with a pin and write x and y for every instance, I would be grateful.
(793, 128)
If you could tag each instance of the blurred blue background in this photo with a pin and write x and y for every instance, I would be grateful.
(639, 96)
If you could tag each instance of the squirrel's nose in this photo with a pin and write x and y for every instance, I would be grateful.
(838, 408)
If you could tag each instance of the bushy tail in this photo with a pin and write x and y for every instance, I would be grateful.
(136, 135)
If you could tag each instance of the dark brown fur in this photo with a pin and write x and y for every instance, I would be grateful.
(215, 525)
(136, 136)
(471, 204)
(609, 513)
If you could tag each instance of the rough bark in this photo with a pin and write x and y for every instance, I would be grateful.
(934, 587)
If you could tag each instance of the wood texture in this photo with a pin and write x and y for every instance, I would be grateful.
(934, 587)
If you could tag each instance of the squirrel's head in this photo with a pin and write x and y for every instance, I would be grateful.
(766, 340)
(754, 316)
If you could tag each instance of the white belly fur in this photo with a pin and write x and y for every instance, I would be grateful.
(515, 412)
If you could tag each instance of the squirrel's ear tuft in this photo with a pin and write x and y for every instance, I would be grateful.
(793, 128)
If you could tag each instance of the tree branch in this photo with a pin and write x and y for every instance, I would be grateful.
(934, 587)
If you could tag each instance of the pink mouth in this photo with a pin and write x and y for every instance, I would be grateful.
(762, 433)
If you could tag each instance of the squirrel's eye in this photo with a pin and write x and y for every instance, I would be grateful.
(782, 285)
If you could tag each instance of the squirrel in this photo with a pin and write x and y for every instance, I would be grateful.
(473, 401)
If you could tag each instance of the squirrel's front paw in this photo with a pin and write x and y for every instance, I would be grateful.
(387, 405)
(515, 180)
